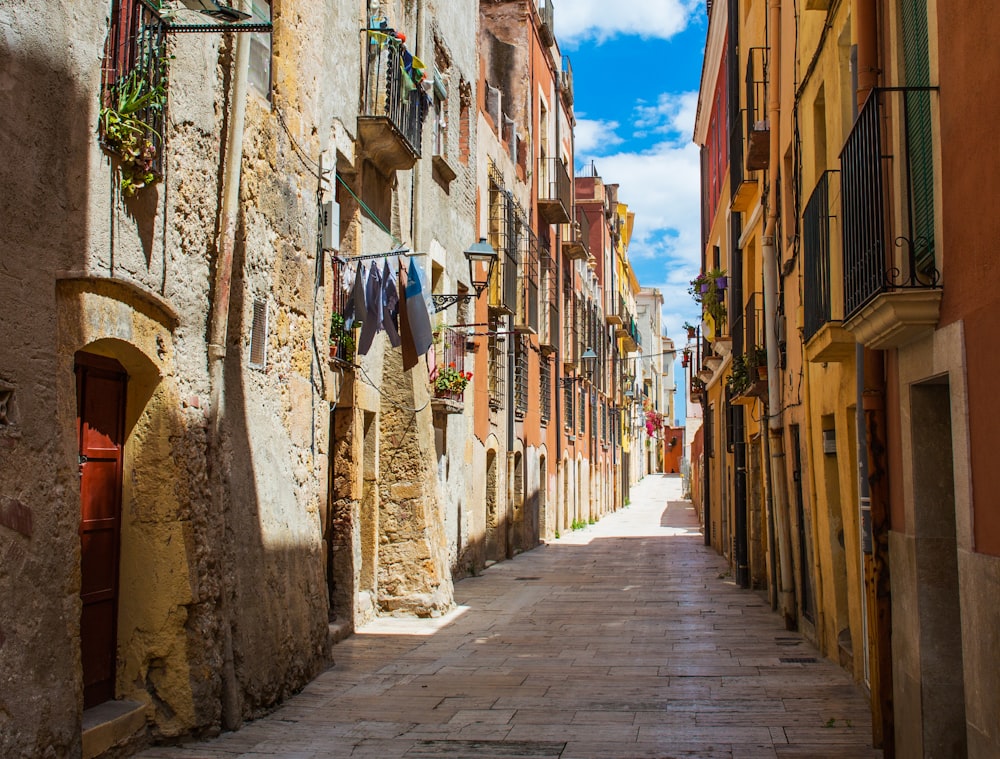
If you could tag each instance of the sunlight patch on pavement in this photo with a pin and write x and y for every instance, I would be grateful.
(411, 625)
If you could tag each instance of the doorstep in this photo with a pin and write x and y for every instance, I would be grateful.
(111, 724)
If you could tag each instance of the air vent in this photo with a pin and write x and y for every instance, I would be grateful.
(258, 335)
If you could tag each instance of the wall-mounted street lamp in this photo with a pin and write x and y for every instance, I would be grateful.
(587, 361)
(482, 260)
(216, 10)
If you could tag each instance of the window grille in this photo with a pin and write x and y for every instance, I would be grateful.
(135, 55)
(568, 401)
(496, 363)
(583, 410)
(545, 381)
(502, 236)
(520, 375)
(593, 412)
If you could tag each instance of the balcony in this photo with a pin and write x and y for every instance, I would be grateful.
(549, 336)
(566, 82)
(758, 129)
(576, 237)
(546, 27)
(555, 191)
(744, 183)
(892, 294)
(390, 125)
(448, 380)
(825, 338)
(613, 315)
(526, 245)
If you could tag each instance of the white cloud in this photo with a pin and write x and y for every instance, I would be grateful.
(661, 184)
(590, 134)
(599, 20)
(672, 114)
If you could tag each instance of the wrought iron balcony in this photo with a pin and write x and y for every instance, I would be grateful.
(549, 336)
(547, 28)
(555, 191)
(891, 283)
(390, 124)
(566, 81)
(616, 307)
(576, 236)
(526, 314)
(825, 338)
(758, 128)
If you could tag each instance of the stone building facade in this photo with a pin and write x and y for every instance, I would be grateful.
(205, 475)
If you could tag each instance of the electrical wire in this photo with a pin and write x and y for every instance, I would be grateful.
(369, 211)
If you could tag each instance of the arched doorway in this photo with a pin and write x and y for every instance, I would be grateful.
(494, 547)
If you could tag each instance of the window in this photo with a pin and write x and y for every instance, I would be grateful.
(260, 50)
(520, 375)
(545, 381)
(495, 363)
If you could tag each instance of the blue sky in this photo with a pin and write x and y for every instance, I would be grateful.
(636, 72)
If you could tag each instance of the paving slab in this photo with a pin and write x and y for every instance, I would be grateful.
(625, 640)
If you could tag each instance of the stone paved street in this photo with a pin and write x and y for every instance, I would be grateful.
(624, 640)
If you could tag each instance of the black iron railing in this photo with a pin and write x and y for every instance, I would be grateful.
(566, 80)
(555, 184)
(758, 129)
(527, 272)
(520, 375)
(816, 257)
(388, 94)
(135, 60)
(547, 13)
(496, 364)
(753, 322)
(877, 259)
(545, 381)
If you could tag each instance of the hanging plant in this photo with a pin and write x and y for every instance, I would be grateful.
(125, 131)
(706, 290)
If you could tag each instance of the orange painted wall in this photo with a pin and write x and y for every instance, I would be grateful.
(970, 228)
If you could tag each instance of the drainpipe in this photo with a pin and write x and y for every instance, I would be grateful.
(786, 589)
(218, 331)
(873, 493)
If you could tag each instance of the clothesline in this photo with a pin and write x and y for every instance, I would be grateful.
(369, 256)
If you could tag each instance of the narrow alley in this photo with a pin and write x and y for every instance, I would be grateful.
(625, 639)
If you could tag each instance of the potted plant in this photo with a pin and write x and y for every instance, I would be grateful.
(341, 339)
(692, 330)
(449, 382)
(739, 376)
(758, 358)
(126, 134)
(706, 291)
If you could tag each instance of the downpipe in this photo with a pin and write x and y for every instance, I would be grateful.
(218, 335)
(786, 589)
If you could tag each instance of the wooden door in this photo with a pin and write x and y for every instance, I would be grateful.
(101, 384)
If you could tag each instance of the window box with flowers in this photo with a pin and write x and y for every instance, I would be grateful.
(449, 384)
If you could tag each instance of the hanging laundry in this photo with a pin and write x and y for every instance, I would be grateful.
(357, 307)
(416, 308)
(390, 306)
(410, 357)
(373, 315)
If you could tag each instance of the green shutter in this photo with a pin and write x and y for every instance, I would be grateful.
(918, 133)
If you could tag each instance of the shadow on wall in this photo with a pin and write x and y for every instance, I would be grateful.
(45, 139)
(277, 599)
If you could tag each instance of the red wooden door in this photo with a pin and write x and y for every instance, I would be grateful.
(100, 384)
